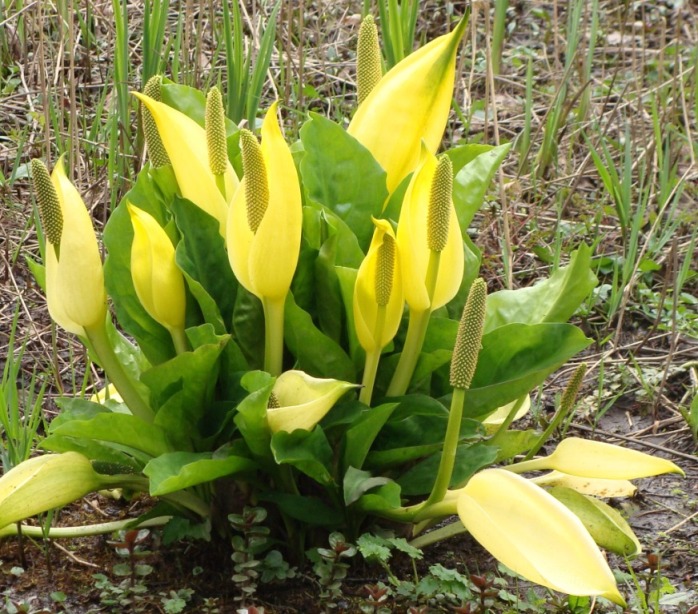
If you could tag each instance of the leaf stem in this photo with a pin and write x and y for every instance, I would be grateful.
(273, 335)
(82, 531)
(448, 455)
(373, 358)
(179, 338)
(117, 375)
(416, 332)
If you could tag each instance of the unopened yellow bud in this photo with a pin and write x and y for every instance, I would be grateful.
(215, 132)
(256, 185)
(368, 59)
(469, 336)
(385, 270)
(440, 205)
(49, 205)
(156, 150)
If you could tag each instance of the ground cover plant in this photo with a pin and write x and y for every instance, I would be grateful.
(209, 401)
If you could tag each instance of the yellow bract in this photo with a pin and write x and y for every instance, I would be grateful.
(44, 482)
(599, 487)
(75, 282)
(303, 400)
(595, 459)
(409, 104)
(412, 243)
(158, 281)
(264, 261)
(186, 145)
(376, 325)
(534, 534)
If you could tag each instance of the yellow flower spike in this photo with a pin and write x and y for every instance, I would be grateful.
(158, 281)
(264, 229)
(368, 59)
(366, 305)
(378, 301)
(186, 145)
(156, 152)
(264, 260)
(43, 483)
(431, 248)
(595, 459)
(414, 241)
(534, 535)
(301, 401)
(598, 487)
(409, 104)
(74, 278)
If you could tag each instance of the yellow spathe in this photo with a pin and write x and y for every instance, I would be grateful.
(375, 325)
(410, 104)
(264, 262)
(303, 400)
(156, 277)
(186, 145)
(534, 534)
(74, 283)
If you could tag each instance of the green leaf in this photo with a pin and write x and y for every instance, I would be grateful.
(360, 436)
(552, 300)
(153, 339)
(122, 429)
(416, 429)
(606, 526)
(470, 458)
(341, 174)
(251, 417)
(474, 167)
(248, 324)
(382, 499)
(307, 451)
(95, 451)
(516, 358)
(512, 443)
(357, 483)
(328, 295)
(179, 470)
(315, 352)
(347, 281)
(182, 388)
(202, 257)
(311, 511)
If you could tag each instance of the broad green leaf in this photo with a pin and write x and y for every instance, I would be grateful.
(179, 470)
(122, 429)
(248, 324)
(202, 257)
(95, 450)
(381, 499)
(315, 353)
(516, 358)
(307, 451)
(360, 436)
(470, 458)
(311, 511)
(415, 429)
(341, 174)
(347, 280)
(182, 388)
(552, 300)
(474, 168)
(357, 482)
(608, 528)
(328, 295)
(513, 443)
(251, 417)
(153, 339)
